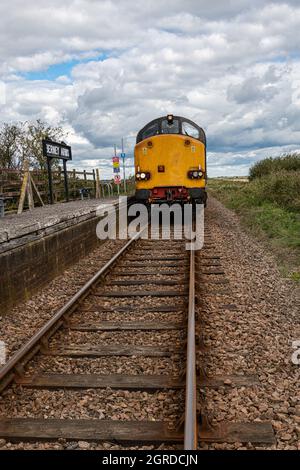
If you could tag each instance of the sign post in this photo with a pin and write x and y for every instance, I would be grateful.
(63, 152)
(50, 183)
(66, 180)
(123, 158)
(116, 169)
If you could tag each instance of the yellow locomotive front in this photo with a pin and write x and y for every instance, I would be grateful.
(170, 161)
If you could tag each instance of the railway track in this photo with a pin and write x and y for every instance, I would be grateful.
(118, 362)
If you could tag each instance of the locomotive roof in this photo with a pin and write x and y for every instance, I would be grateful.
(202, 136)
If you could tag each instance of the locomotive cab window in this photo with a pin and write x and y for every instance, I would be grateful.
(151, 130)
(190, 130)
(170, 127)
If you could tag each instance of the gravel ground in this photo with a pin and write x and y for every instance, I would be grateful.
(62, 444)
(134, 303)
(132, 315)
(108, 365)
(162, 270)
(120, 405)
(147, 278)
(256, 338)
(25, 319)
(142, 287)
(141, 338)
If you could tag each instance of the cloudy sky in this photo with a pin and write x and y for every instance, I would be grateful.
(103, 69)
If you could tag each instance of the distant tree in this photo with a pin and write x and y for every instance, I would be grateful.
(32, 142)
(23, 140)
(11, 151)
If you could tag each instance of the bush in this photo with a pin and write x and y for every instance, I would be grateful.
(289, 162)
(282, 189)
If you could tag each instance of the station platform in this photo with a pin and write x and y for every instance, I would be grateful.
(38, 245)
(16, 230)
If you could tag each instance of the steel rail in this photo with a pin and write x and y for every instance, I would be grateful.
(11, 364)
(190, 422)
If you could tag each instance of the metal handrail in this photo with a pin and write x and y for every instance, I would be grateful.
(109, 189)
(190, 423)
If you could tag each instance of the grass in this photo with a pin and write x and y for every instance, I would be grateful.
(269, 207)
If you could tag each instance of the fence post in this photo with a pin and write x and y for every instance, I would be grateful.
(95, 183)
(29, 192)
(24, 187)
(74, 183)
(98, 194)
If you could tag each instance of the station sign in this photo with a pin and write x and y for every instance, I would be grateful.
(56, 150)
(117, 179)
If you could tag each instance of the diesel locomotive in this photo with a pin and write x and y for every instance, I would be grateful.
(170, 161)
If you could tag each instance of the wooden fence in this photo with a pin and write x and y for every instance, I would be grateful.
(11, 182)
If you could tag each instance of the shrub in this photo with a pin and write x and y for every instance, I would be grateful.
(288, 162)
(281, 188)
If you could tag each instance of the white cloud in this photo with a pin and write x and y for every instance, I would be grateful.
(2, 93)
(233, 67)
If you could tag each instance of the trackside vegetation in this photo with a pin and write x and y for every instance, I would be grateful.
(269, 206)
(286, 162)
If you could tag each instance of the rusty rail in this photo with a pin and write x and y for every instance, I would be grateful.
(190, 423)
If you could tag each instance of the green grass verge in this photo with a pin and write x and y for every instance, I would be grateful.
(266, 218)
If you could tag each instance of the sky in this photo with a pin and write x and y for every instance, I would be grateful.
(103, 69)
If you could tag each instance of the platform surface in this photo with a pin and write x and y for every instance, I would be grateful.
(43, 220)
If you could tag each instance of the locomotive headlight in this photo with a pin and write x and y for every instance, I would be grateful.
(195, 174)
(142, 176)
